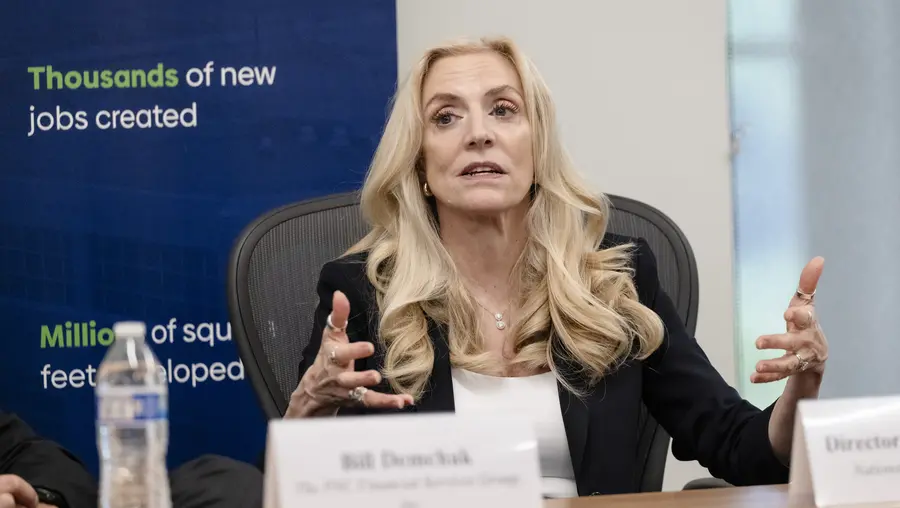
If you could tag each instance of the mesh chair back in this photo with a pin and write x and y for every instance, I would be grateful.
(274, 268)
(678, 277)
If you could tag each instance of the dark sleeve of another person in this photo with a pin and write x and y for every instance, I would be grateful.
(43, 463)
(708, 419)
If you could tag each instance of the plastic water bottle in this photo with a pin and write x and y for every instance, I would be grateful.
(132, 423)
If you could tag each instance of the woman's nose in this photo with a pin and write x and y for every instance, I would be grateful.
(480, 136)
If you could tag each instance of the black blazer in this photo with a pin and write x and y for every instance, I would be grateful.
(707, 419)
(44, 464)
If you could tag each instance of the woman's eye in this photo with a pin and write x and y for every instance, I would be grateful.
(504, 109)
(442, 117)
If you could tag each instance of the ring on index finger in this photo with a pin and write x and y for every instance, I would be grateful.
(332, 356)
(807, 297)
(330, 325)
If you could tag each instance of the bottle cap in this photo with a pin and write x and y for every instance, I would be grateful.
(130, 329)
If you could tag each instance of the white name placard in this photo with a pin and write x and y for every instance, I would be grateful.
(846, 452)
(402, 461)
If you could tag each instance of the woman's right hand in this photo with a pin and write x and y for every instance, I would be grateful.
(331, 381)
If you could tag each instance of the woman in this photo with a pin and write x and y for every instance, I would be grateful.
(487, 283)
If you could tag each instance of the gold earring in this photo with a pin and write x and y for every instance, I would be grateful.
(426, 190)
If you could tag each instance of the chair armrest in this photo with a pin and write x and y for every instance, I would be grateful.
(706, 483)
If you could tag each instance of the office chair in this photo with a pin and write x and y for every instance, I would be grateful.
(274, 268)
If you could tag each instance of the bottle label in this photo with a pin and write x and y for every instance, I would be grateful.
(122, 407)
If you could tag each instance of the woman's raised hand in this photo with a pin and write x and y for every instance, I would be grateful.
(331, 382)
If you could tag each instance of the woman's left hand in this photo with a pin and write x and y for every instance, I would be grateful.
(804, 341)
(803, 362)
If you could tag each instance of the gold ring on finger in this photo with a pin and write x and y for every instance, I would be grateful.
(803, 364)
(805, 296)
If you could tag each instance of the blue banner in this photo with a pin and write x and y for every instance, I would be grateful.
(137, 140)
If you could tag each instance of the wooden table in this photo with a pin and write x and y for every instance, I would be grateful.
(775, 496)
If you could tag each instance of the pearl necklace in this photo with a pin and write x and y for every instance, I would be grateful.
(498, 316)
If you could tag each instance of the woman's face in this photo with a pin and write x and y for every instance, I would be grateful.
(477, 139)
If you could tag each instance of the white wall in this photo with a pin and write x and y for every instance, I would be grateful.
(642, 96)
(849, 74)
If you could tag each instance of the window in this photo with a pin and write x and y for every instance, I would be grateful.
(770, 248)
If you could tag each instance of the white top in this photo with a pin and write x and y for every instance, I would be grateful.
(535, 398)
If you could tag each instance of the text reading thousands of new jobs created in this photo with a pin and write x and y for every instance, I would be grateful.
(46, 78)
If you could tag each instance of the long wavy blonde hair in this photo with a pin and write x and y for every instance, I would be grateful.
(578, 309)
